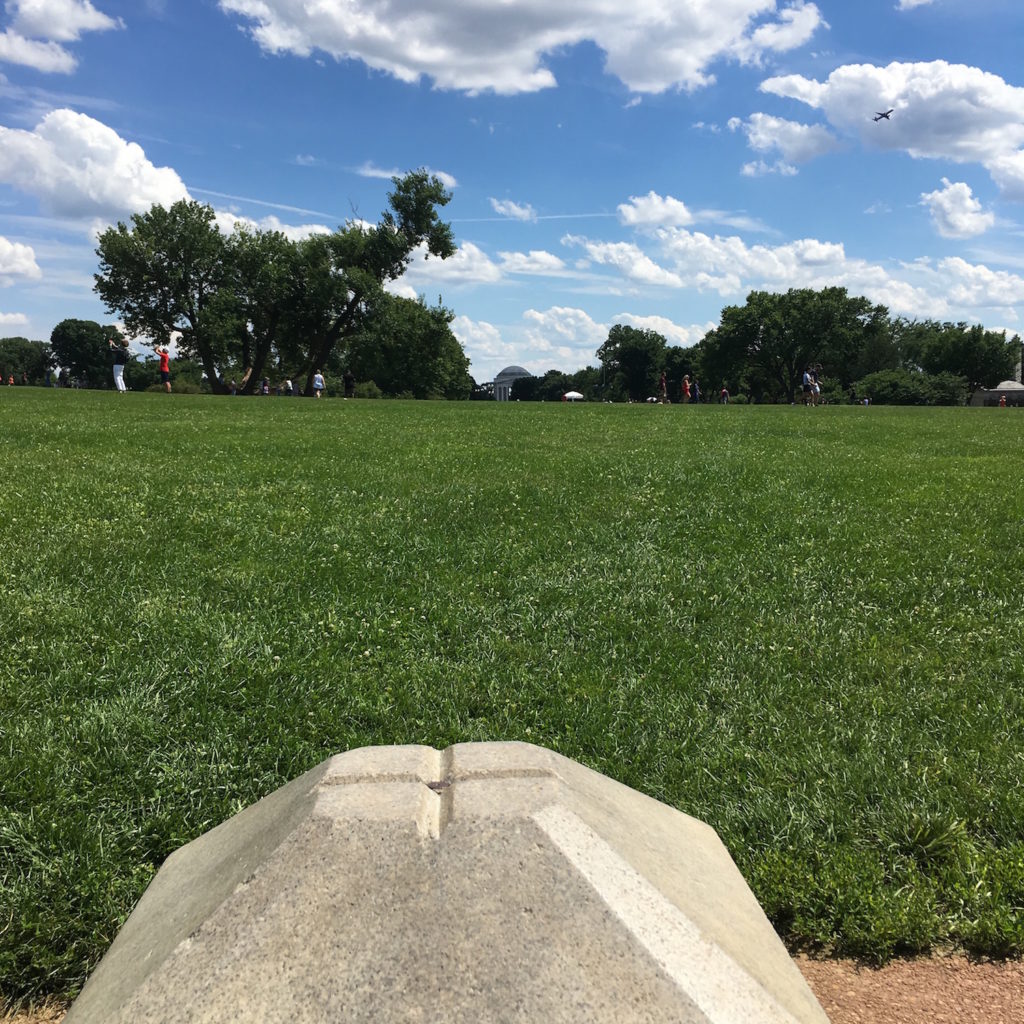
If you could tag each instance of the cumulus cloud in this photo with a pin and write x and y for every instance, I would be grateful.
(38, 27)
(536, 261)
(653, 210)
(795, 26)
(941, 111)
(650, 45)
(956, 213)
(227, 222)
(470, 265)
(796, 143)
(17, 260)
(13, 319)
(31, 53)
(515, 211)
(60, 20)
(78, 167)
(631, 262)
(564, 331)
(484, 343)
(922, 288)
(674, 333)
(975, 285)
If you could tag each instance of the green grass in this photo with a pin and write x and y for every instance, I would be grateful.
(802, 626)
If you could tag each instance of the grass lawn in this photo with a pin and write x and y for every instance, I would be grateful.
(804, 626)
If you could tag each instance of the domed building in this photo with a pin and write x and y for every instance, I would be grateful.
(504, 381)
(1011, 390)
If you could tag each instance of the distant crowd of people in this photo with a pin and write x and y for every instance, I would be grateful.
(288, 388)
(689, 392)
(121, 357)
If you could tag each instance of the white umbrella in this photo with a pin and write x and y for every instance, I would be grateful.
(572, 396)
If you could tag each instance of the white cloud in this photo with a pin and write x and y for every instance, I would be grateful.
(653, 210)
(470, 265)
(446, 179)
(955, 211)
(38, 27)
(17, 260)
(60, 20)
(759, 168)
(564, 331)
(78, 167)
(674, 333)
(482, 340)
(906, 5)
(370, 170)
(796, 143)
(536, 261)
(31, 53)
(13, 319)
(941, 111)
(515, 211)
(631, 262)
(974, 285)
(227, 222)
(650, 45)
(921, 288)
(795, 26)
(559, 338)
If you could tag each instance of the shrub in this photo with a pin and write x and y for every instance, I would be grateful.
(367, 389)
(912, 387)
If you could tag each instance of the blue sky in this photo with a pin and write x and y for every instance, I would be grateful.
(644, 163)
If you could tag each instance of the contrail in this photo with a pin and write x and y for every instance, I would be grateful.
(262, 202)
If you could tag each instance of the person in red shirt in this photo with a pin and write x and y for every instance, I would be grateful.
(165, 368)
(686, 389)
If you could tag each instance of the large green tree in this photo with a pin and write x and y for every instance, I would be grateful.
(983, 358)
(236, 301)
(344, 274)
(407, 347)
(632, 360)
(81, 347)
(165, 275)
(259, 305)
(20, 356)
(769, 341)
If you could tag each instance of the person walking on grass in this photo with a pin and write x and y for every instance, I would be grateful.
(686, 389)
(120, 349)
(165, 367)
(318, 384)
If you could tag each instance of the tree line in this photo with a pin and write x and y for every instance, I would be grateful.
(761, 349)
(243, 305)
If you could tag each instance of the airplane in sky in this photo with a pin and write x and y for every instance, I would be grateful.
(880, 116)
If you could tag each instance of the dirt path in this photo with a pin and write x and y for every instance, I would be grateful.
(939, 990)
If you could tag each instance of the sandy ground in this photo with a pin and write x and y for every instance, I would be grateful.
(938, 990)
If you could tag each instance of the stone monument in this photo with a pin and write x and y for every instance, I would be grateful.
(487, 882)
